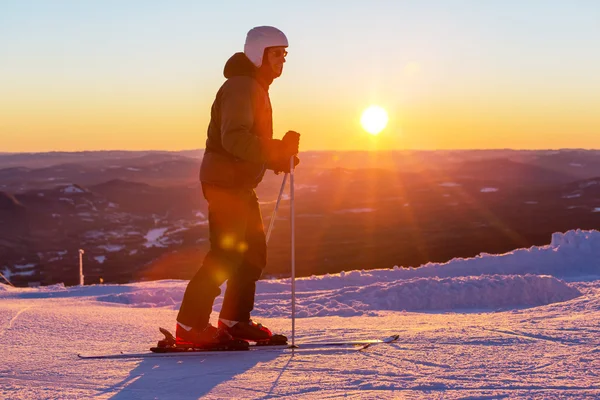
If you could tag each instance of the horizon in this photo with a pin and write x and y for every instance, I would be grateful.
(307, 151)
(460, 75)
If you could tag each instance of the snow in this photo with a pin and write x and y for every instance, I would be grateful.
(100, 259)
(449, 184)
(20, 270)
(311, 188)
(111, 247)
(94, 234)
(587, 184)
(53, 255)
(24, 266)
(355, 211)
(24, 273)
(200, 214)
(6, 272)
(523, 324)
(429, 294)
(284, 197)
(72, 189)
(153, 237)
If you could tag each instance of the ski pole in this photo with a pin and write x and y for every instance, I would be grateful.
(293, 251)
(272, 222)
(6, 279)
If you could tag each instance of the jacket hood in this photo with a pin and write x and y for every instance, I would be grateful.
(240, 65)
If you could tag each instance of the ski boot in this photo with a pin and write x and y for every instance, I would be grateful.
(252, 332)
(209, 338)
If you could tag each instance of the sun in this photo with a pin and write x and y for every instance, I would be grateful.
(374, 119)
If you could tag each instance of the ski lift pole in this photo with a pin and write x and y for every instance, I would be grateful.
(272, 222)
(292, 223)
(81, 267)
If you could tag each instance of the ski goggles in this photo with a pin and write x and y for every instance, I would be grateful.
(279, 52)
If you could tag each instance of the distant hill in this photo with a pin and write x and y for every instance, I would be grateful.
(504, 170)
(141, 215)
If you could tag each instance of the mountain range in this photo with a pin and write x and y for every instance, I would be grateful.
(141, 215)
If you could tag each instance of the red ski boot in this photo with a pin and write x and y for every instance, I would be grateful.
(252, 332)
(207, 338)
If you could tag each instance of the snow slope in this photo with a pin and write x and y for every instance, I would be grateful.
(523, 324)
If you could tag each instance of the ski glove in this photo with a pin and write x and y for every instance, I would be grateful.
(291, 143)
(282, 165)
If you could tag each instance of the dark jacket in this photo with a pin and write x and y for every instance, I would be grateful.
(240, 141)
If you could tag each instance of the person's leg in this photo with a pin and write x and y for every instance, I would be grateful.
(228, 218)
(241, 286)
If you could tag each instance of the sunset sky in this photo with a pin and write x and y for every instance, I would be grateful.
(452, 74)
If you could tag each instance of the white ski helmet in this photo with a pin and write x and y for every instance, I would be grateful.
(259, 38)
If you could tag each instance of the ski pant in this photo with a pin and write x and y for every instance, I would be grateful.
(238, 255)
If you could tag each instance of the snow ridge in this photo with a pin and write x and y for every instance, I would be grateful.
(430, 294)
(521, 278)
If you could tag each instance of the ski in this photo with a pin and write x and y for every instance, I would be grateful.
(194, 352)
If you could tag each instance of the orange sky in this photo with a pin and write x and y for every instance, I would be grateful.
(119, 122)
(82, 76)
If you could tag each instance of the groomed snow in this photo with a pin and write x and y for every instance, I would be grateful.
(518, 325)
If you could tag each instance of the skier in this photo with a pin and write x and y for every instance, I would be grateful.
(239, 148)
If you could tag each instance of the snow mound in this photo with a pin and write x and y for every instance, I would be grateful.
(521, 278)
(4, 287)
(574, 255)
(419, 294)
(430, 294)
(146, 298)
(57, 287)
(462, 293)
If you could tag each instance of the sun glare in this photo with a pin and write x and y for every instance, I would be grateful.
(374, 119)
